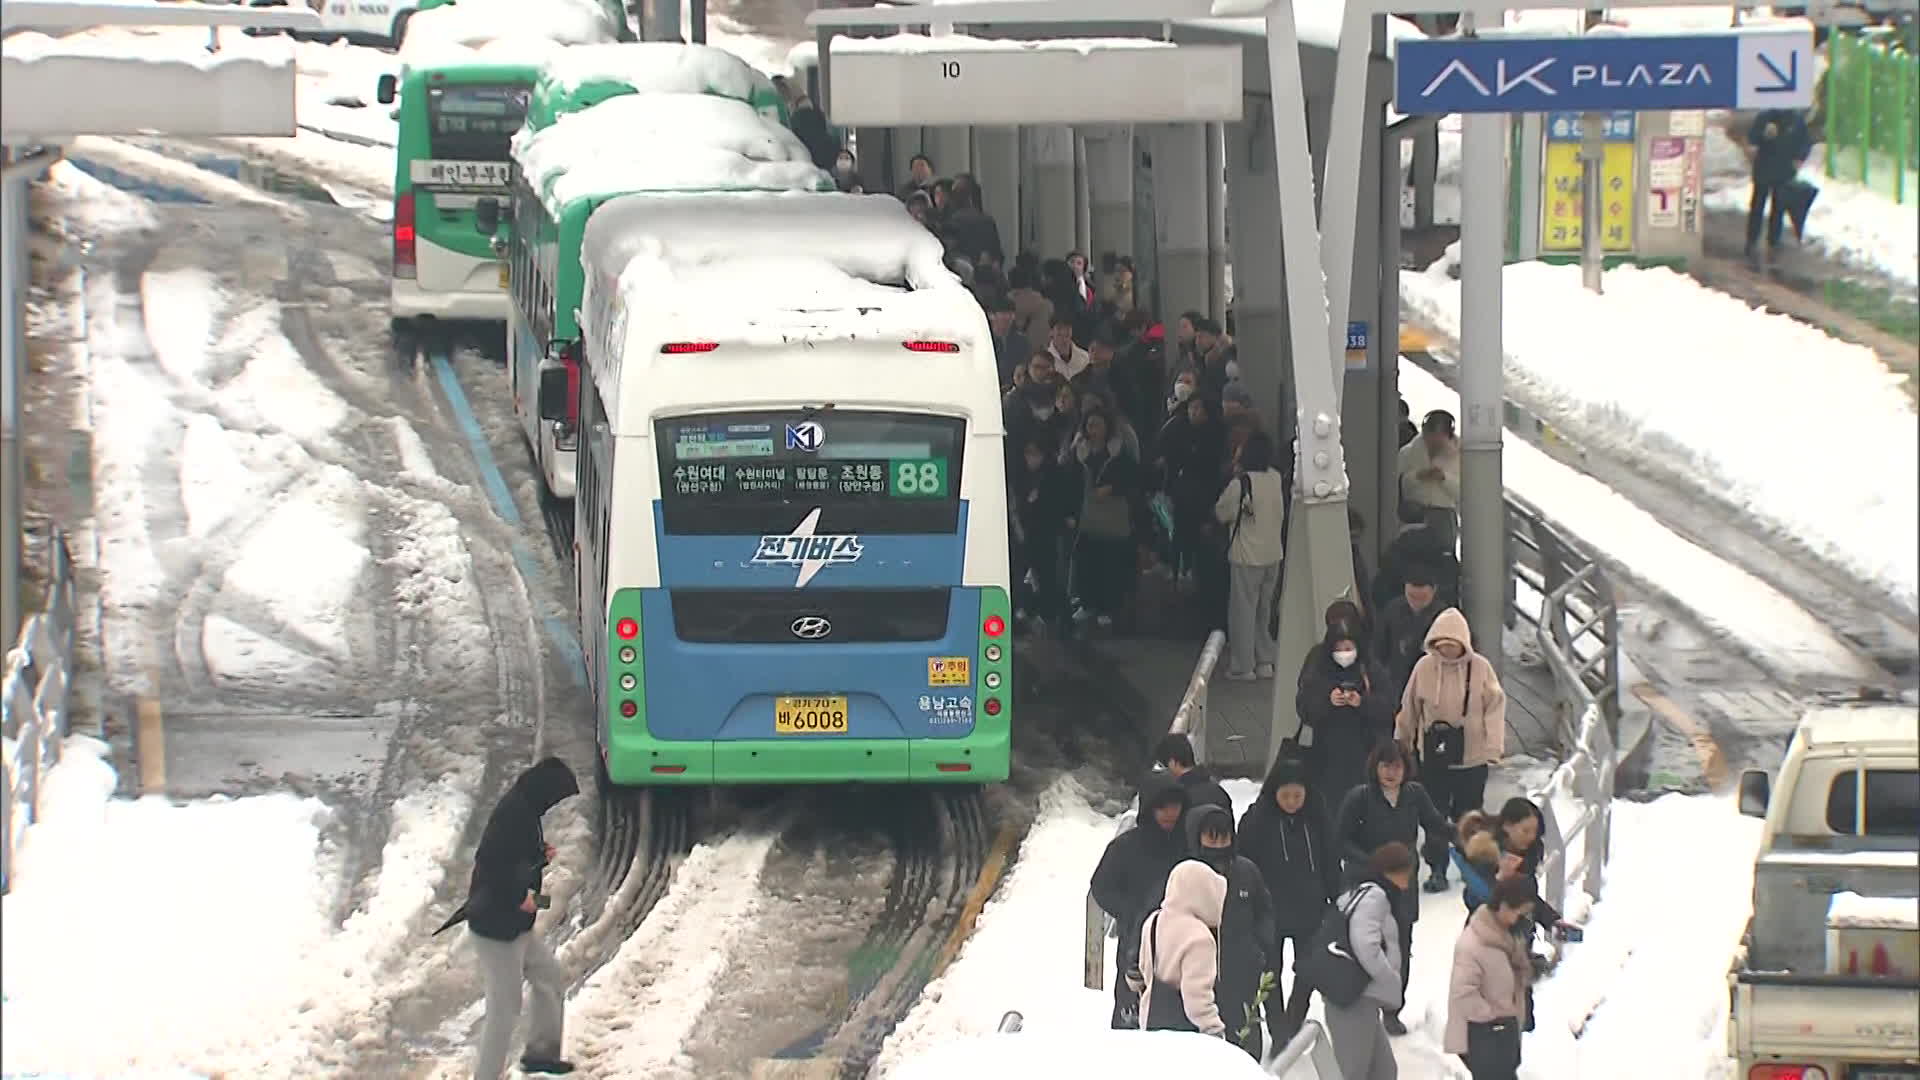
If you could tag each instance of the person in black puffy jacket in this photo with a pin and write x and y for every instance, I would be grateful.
(1246, 923)
(1287, 836)
(502, 899)
(1347, 700)
(1131, 879)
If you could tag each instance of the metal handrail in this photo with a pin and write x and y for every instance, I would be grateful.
(1556, 567)
(1011, 1022)
(1577, 848)
(1311, 1044)
(1190, 718)
(36, 689)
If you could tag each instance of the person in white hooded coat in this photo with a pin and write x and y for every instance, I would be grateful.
(1179, 959)
(1253, 509)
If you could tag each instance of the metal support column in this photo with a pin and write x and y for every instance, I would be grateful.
(1318, 568)
(666, 21)
(1110, 190)
(13, 294)
(1425, 170)
(996, 165)
(1180, 205)
(1216, 194)
(1483, 216)
(1593, 153)
(1055, 206)
(1082, 196)
(697, 31)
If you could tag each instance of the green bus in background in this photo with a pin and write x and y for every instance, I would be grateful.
(460, 103)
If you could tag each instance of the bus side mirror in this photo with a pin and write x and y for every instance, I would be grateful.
(553, 392)
(386, 89)
(1755, 792)
(486, 215)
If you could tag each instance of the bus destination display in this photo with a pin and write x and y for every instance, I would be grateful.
(748, 459)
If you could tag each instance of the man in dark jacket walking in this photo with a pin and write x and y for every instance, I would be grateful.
(1780, 143)
(1401, 637)
(1246, 924)
(1287, 836)
(502, 898)
(1132, 879)
(1175, 754)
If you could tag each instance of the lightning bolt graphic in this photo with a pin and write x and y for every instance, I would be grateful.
(808, 567)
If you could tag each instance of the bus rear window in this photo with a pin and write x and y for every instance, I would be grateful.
(472, 124)
(756, 472)
(1893, 802)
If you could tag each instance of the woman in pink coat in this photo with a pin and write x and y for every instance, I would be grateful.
(1454, 686)
(1487, 996)
(1179, 960)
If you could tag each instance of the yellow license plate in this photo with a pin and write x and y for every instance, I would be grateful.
(809, 716)
(503, 275)
(949, 671)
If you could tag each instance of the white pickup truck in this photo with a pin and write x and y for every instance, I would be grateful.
(1827, 984)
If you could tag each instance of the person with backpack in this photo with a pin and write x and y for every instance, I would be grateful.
(502, 900)
(1286, 834)
(1253, 507)
(1132, 877)
(1246, 924)
(1179, 958)
(1453, 715)
(1391, 809)
(1356, 1025)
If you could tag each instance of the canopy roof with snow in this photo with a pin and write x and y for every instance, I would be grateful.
(582, 77)
(680, 142)
(503, 32)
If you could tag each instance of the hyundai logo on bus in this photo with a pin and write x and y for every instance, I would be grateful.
(807, 551)
(811, 628)
(807, 436)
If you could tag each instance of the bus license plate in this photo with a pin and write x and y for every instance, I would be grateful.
(503, 276)
(810, 716)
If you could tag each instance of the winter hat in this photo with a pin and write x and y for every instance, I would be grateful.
(1156, 333)
(1237, 394)
(1289, 770)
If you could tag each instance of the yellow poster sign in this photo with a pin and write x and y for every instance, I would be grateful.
(1560, 201)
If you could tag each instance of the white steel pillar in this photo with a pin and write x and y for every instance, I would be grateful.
(1082, 195)
(1319, 566)
(1483, 193)
(951, 149)
(1180, 204)
(996, 164)
(1216, 192)
(1055, 206)
(1110, 190)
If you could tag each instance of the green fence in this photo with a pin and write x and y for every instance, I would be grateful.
(1872, 112)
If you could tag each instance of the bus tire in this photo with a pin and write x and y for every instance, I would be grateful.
(405, 340)
(399, 33)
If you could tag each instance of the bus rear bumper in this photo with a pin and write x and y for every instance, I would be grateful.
(410, 301)
(636, 760)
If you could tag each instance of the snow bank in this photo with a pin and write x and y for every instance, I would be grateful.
(1111, 1055)
(1027, 928)
(659, 67)
(1777, 632)
(1703, 392)
(663, 976)
(1852, 911)
(663, 142)
(143, 936)
(303, 565)
(98, 206)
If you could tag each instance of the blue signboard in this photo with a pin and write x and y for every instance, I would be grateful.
(1760, 68)
(1566, 127)
(1356, 336)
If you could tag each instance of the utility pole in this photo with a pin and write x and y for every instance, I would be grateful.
(1483, 513)
(1593, 194)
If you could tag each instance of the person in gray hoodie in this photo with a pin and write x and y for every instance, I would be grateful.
(1358, 1034)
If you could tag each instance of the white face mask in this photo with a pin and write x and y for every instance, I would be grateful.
(1182, 391)
(1233, 371)
(1345, 657)
(1042, 412)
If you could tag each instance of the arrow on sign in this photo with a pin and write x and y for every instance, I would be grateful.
(1789, 80)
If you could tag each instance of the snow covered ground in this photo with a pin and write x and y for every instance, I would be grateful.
(1712, 393)
(1643, 995)
(1769, 627)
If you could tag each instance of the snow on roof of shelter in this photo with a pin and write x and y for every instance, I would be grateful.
(506, 31)
(794, 246)
(681, 142)
(660, 67)
(1316, 21)
(1850, 910)
(152, 49)
(897, 44)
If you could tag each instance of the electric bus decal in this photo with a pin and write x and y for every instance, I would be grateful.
(810, 553)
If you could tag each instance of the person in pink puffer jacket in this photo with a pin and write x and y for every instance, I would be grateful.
(1179, 960)
(1487, 995)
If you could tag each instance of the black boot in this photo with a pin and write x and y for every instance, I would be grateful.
(552, 1066)
(1391, 1021)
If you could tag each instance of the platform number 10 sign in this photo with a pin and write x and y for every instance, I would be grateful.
(949, 69)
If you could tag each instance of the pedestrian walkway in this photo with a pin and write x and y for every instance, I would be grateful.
(1239, 718)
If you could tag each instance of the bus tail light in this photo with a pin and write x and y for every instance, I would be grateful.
(932, 346)
(993, 706)
(404, 259)
(629, 710)
(686, 348)
(627, 629)
(994, 626)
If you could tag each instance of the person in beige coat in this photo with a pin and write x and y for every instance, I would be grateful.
(1456, 686)
(1487, 995)
(1179, 959)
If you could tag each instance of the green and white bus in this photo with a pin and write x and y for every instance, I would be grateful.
(461, 98)
(792, 520)
(663, 143)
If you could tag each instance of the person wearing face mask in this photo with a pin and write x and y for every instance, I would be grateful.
(1131, 879)
(846, 174)
(1346, 700)
(1246, 925)
(1453, 714)
(1285, 833)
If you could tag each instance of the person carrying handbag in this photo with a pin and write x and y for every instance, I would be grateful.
(1103, 552)
(1253, 507)
(1487, 993)
(1453, 715)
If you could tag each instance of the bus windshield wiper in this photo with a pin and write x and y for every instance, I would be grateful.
(814, 411)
